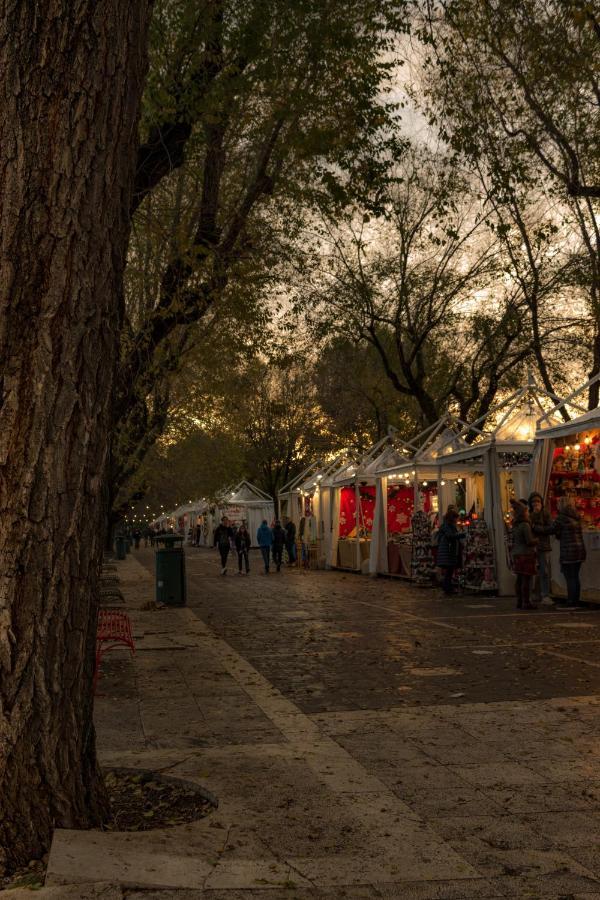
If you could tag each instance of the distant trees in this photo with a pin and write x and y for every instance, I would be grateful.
(255, 114)
(453, 289)
(514, 88)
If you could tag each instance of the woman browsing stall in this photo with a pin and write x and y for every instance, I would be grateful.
(524, 561)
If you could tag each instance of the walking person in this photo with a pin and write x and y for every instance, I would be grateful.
(290, 540)
(243, 542)
(279, 536)
(222, 540)
(542, 527)
(567, 529)
(448, 548)
(523, 554)
(264, 539)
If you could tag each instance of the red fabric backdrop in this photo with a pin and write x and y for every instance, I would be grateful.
(399, 509)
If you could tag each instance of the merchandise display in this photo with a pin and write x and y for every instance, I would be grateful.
(478, 571)
(422, 565)
(576, 474)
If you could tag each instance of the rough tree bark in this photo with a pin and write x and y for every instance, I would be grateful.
(71, 78)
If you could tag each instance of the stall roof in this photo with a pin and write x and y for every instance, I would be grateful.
(429, 446)
(589, 419)
(245, 493)
(313, 470)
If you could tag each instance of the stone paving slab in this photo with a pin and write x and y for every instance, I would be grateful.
(364, 739)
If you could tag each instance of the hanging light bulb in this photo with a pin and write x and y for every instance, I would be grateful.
(442, 483)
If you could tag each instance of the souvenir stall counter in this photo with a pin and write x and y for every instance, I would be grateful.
(400, 519)
(568, 465)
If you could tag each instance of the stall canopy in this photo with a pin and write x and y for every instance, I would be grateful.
(409, 482)
(496, 465)
(246, 502)
(477, 466)
(353, 491)
(292, 494)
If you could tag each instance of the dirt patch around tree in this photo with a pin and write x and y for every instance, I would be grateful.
(141, 800)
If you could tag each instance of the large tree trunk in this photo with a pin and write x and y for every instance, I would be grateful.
(70, 86)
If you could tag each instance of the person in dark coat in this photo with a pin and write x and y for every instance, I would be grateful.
(542, 527)
(448, 548)
(290, 540)
(279, 536)
(243, 542)
(567, 529)
(524, 546)
(222, 540)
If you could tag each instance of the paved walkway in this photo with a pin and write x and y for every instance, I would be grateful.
(365, 739)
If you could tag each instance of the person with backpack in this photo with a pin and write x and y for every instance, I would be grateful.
(222, 540)
(567, 529)
(448, 548)
(279, 536)
(264, 539)
(243, 542)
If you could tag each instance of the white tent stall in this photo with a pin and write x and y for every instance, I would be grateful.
(248, 503)
(405, 483)
(291, 495)
(314, 502)
(478, 467)
(353, 494)
(567, 463)
(199, 524)
(496, 468)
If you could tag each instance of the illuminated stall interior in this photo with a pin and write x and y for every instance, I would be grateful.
(496, 467)
(567, 464)
(407, 484)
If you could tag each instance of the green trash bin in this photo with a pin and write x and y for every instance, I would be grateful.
(120, 542)
(170, 575)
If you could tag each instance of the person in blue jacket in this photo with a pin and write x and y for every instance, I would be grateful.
(264, 539)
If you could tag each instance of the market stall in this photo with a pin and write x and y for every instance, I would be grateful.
(567, 464)
(405, 485)
(292, 504)
(494, 469)
(479, 468)
(245, 503)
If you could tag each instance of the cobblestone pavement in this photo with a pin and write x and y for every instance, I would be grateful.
(365, 739)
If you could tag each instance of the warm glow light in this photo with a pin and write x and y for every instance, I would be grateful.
(442, 483)
(568, 447)
(577, 447)
(424, 484)
(459, 480)
(588, 440)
